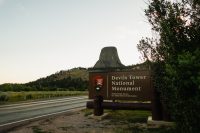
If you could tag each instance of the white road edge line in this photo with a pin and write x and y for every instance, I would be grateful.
(39, 104)
(42, 102)
(43, 107)
(41, 116)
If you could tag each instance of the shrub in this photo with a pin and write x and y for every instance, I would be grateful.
(4, 98)
(29, 96)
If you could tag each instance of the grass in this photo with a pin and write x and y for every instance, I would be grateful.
(131, 121)
(7, 97)
(132, 116)
(87, 112)
(140, 130)
(135, 121)
(36, 129)
(66, 128)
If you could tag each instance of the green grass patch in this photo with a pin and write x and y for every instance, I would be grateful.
(36, 129)
(87, 112)
(67, 128)
(144, 130)
(132, 116)
(135, 121)
(7, 97)
(131, 121)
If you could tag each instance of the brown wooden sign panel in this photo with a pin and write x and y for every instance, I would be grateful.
(131, 85)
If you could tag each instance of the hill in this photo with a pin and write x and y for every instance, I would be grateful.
(73, 73)
(72, 79)
(79, 72)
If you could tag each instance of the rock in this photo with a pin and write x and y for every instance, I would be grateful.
(109, 59)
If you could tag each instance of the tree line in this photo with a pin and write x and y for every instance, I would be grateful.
(48, 84)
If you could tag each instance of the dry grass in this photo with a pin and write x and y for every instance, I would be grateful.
(6, 97)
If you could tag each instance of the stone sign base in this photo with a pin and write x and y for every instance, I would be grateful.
(157, 124)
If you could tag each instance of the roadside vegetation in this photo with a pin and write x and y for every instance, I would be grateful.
(7, 97)
(174, 55)
(75, 79)
(71, 82)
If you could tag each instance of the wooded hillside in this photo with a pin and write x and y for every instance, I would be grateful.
(73, 79)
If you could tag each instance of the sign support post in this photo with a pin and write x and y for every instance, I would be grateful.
(156, 106)
(98, 109)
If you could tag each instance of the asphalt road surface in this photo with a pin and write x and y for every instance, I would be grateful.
(14, 113)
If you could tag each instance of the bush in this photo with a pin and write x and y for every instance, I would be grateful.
(4, 98)
(29, 96)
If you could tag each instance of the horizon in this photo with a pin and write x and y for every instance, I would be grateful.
(39, 38)
(53, 73)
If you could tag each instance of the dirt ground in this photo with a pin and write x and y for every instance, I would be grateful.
(76, 122)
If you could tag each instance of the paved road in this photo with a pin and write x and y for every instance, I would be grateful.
(20, 112)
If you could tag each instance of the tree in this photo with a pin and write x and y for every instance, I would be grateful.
(175, 56)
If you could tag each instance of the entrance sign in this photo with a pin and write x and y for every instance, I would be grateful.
(122, 85)
(110, 80)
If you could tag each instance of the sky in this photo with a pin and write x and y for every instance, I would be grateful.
(41, 37)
